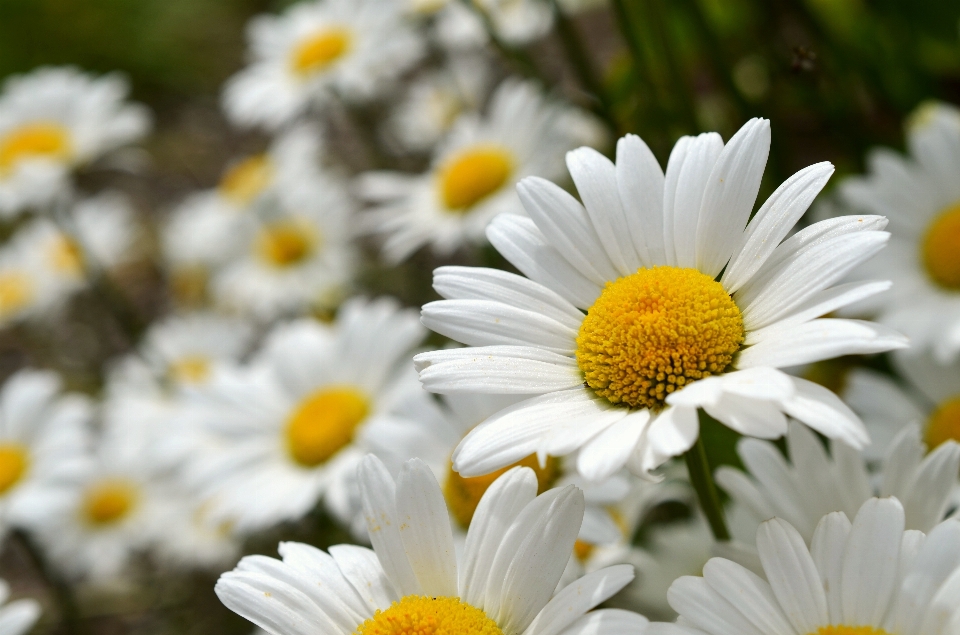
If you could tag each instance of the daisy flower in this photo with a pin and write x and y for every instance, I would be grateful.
(19, 616)
(106, 229)
(929, 396)
(191, 538)
(474, 174)
(921, 196)
(53, 120)
(812, 483)
(868, 577)
(413, 581)
(288, 426)
(315, 50)
(43, 443)
(625, 326)
(21, 288)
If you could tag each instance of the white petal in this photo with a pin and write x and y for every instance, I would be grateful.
(826, 548)
(823, 411)
(609, 622)
(640, 184)
(485, 323)
(778, 215)
(497, 370)
(608, 451)
(870, 562)
(730, 194)
(361, 567)
(578, 597)
(19, 616)
(674, 431)
(330, 585)
(425, 529)
(792, 575)
(934, 563)
(751, 417)
(749, 593)
(688, 171)
(272, 604)
(701, 606)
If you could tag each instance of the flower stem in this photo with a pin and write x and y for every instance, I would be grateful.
(702, 480)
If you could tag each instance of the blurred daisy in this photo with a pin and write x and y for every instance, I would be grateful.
(663, 335)
(43, 444)
(315, 50)
(288, 426)
(515, 22)
(53, 120)
(295, 254)
(869, 577)
(19, 616)
(21, 288)
(921, 196)
(414, 582)
(191, 538)
(474, 174)
(106, 229)
(812, 483)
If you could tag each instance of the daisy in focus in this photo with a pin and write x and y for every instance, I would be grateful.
(624, 326)
(53, 120)
(413, 581)
(812, 483)
(44, 439)
(920, 194)
(474, 173)
(316, 51)
(287, 429)
(19, 616)
(868, 577)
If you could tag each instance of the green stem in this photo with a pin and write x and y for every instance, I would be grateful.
(684, 93)
(702, 480)
(583, 67)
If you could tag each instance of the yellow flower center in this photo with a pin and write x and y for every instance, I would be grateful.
(108, 502)
(941, 248)
(15, 292)
(66, 256)
(653, 332)
(473, 175)
(34, 140)
(243, 182)
(13, 465)
(841, 629)
(321, 50)
(285, 243)
(944, 423)
(582, 550)
(324, 423)
(464, 494)
(191, 369)
(421, 615)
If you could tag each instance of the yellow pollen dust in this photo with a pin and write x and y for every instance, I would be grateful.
(941, 248)
(422, 615)
(13, 465)
(244, 181)
(108, 502)
(32, 141)
(463, 494)
(15, 292)
(324, 423)
(285, 244)
(473, 175)
(191, 369)
(653, 332)
(841, 629)
(321, 50)
(944, 423)
(66, 255)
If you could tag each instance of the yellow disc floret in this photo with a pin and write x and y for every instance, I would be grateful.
(473, 175)
(13, 465)
(190, 369)
(243, 182)
(941, 248)
(421, 615)
(653, 332)
(66, 256)
(33, 141)
(325, 422)
(321, 50)
(16, 292)
(944, 423)
(285, 243)
(108, 502)
(464, 494)
(841, 629)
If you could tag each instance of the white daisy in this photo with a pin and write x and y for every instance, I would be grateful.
(53, 120)
(664, 334)
(289, 425)
(106, 229)
(812, 483)
(869, 577)
(191, 538)
(43, 445)
(21, 287)
(518, 22)
(413, 582)
(316, 50)
(921, 196)
(19, 616)
(474, 173)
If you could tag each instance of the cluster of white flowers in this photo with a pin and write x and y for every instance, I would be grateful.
(528, 446)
